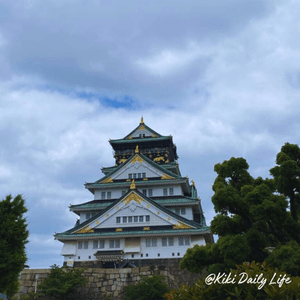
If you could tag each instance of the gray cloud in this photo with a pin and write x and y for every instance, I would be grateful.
(220, 76)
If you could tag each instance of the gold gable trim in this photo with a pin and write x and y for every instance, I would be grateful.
(142, 127)
(107, 180)
(86, 229)
(180, 225)
(133, 196)
(119, 229)
(136, 158)
(165, 176)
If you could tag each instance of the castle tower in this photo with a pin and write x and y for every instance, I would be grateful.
(143, 210)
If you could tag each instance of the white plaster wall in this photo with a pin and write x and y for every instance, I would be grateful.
(137, 168)
(175, 251)
(155, 220)
(115, 193)
(188, 212)
(85, 253)
(156, 191)
(142, 131)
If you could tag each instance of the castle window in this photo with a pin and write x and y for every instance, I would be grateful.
(129, 219)
(86, 245)
(88, 215)
(167, 242)
(148, 218)
(183, 210)
(102, 195)
(89, 257)
(144, 192)
(95, 244)
(130, 176)
(165, 192)
(118, 219)
(136, 219)
(142, 255)
(79, 245)
(177, 211)
(134, 175)
(171, 191)
(123, 193)
(102, 244)
(151, 242)
(124, 219)
(158, 254)
(141, 218)
(139, 175)
(108, 195)
(150, 192)
(114, 243)
(184, 241)
(144, 175)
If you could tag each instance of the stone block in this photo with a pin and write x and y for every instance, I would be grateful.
(113, 288)
(110, 282)
(126, 270)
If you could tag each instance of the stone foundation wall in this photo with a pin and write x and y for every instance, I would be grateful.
(104, 284)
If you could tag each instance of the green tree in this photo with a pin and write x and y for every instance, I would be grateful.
(250, 217)
(287, 176)
(13, 238)
(62, 281)
(149, 288)
(205, 289)
(286, 257)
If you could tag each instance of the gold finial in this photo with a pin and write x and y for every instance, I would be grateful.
(193, 182)
(137, 149)
(142, 120)
(132, 185)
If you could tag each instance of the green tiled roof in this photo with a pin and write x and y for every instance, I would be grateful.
(98, 204)
(91, 205)
(204, 229)
(174, 215)
(145, 139)
(146, 127)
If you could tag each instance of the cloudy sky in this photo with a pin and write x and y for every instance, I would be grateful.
(223, 77)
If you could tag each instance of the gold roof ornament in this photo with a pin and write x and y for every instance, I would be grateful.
(137, 149)
(107, 180)
(180, 225)
(86, 229)
(132, 185)
(142, 120)
(165, 176)
(193, 183)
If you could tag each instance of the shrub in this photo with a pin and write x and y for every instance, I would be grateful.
(247, 290)
(62, 281)
(149, 288)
